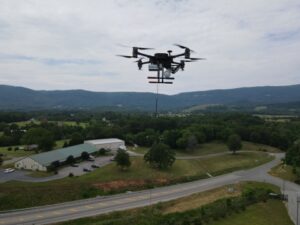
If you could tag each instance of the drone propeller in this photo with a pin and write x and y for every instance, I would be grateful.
(140, 48)
(187, 60)
(195, 59)
(126, 56)
(143, 48)
(183, 47)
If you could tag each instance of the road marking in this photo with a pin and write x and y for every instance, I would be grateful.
(73, 210)
(89, 207)
(40, 216)
(57, 212)
(102, 204)
(140, 197)
(124, 200)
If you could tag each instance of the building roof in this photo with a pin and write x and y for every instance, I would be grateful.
(62, 154)
(104, 141)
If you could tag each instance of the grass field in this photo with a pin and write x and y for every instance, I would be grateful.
(273, 212)
(22, 153)
(12, 153)
(258, 214)
(215, 147)
(283, 171)
(66, 123)
(110, 179)
(60, 143)
(25, 123)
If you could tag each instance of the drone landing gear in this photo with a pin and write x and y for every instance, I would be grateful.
(159, 79)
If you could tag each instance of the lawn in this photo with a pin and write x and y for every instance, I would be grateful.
(110, 179)
(70, 123)
(37, 122)
(60, 143)
(12, 153)
(283, 171)
(215, 147)
(257, 214)
(273, 212)
(22, 153)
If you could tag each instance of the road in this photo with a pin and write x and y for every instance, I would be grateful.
(99, 205)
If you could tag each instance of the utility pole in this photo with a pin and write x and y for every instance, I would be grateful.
(298, 200)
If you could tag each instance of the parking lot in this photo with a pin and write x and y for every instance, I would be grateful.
(22, 175)
(77, 171)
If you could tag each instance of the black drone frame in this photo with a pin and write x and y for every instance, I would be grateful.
(164, 63)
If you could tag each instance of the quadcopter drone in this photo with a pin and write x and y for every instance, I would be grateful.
(163, 63)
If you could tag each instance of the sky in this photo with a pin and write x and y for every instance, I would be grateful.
(72, 44)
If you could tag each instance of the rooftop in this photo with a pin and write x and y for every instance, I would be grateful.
(46, 158)
(104, 141)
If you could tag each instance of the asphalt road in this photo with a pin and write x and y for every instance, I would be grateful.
(99, 205)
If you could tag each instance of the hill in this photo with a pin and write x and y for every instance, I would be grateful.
(19, 98)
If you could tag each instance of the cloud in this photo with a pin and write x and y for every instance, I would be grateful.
(71, 44)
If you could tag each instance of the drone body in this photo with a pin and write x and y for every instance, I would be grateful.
(162, 62)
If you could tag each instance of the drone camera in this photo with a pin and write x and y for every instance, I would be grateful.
(153, 67)
(167, 73)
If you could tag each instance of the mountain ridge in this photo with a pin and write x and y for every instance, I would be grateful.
(20, 98)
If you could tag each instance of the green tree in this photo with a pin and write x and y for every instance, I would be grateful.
(76, 139)
(85, 155)
(70, 159)
(1, 160)
(122, 159)
(160, 156)
(234, 143)
(40, 136)
(293, 155)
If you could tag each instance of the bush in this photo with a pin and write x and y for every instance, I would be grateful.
(160, 156)
(71, 175)
(122, 159)
(102, 151)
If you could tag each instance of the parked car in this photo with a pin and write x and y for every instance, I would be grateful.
(9, 170)
(74, 165)
(91, 159)
(86, 170)
(94, 166)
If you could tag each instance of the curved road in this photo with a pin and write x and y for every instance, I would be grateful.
(99, 205)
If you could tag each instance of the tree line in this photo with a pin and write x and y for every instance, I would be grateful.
(178, 132)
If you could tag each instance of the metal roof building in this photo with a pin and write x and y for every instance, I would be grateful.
(110, 143)
(43, 160)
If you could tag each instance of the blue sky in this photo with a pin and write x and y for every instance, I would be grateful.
(71, 44)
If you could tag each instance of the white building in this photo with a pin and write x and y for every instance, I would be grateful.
(42, 161)
(112, 144)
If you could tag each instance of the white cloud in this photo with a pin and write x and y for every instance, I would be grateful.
(247, 43)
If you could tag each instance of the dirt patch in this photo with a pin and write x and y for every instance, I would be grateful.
(127, 184)
(203, 198)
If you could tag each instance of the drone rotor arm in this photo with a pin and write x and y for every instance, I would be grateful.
(178, 55)
(145, 55)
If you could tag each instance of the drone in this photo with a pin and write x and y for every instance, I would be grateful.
(163, 63)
